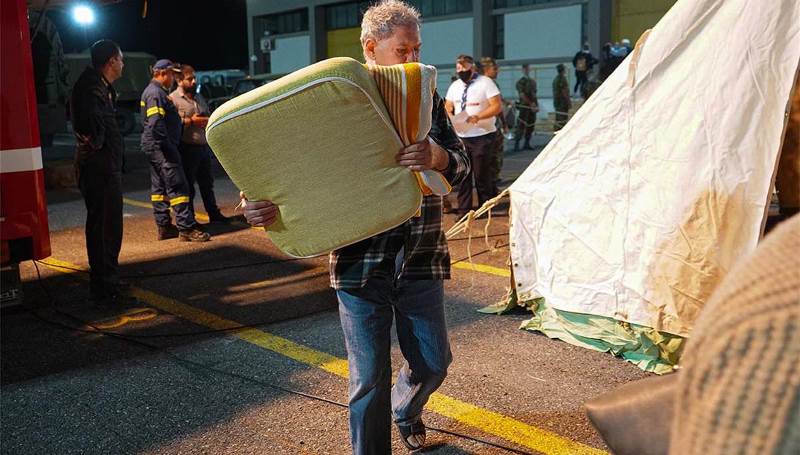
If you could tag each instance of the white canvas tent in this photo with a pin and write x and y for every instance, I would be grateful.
(634, 212)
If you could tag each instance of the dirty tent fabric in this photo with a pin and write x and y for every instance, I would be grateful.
(631, 216)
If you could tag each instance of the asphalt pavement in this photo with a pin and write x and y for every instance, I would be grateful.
(225, 329)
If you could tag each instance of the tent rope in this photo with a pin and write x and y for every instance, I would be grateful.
(465, 224)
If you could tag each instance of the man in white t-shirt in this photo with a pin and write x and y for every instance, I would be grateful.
(473, 101)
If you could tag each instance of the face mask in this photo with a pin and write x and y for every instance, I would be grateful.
(464, 75)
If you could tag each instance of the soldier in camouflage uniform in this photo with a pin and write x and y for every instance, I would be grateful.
(527, 107)
(490, 70)
(561, 98)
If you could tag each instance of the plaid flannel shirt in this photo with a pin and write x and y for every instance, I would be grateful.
(425, 254)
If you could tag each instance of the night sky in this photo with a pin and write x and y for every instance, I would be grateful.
(208, 34)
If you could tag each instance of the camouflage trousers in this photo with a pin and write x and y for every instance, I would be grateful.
(496, 162)
(526, 120)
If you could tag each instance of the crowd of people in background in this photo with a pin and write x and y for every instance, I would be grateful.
(484, 119)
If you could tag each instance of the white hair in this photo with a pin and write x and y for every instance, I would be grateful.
(381, 19)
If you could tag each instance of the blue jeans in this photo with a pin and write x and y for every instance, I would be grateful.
(366, 315)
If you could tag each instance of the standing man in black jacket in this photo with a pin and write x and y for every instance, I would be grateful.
(98, 165)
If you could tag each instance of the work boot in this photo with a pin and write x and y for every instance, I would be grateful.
(167, 231)
(193, 235)
(219, 218)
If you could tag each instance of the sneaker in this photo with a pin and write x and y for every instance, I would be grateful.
(193, 235)
(219, 218)
(168, 231)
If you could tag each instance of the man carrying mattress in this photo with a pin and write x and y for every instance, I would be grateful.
(397, 274)
(160, 137)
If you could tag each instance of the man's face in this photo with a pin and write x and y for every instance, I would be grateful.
(491, 71)
(189, 82)
(166, 78)
(466, 66)
(403, 46)
(116, 65)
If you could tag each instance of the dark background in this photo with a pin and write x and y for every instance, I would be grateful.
(208, 34)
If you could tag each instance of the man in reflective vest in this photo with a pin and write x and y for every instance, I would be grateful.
(160, 138)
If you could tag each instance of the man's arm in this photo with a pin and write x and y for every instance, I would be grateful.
(89, 124)
(443, 151)
(154, 113)
(457, 166)
(259, 213)
(494, 108)
(449, 107)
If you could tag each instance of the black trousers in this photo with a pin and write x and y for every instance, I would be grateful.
(102, 193)
(580, 81)
(197, 167)
(481, 153)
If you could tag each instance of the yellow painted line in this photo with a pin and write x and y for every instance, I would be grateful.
(484, 420)
(136, 203)
(260, 338)
(507, 428)
(289, 279)
(483, 268)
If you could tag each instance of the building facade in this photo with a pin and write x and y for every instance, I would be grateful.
(285, 35)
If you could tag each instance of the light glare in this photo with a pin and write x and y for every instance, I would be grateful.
(83, 15)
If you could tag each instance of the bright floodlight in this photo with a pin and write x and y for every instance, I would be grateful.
(83, 15)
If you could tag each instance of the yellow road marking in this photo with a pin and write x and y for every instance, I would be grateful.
(300, 276)
(136, 203)
(459, 265)
(483, 268)
(484, 420)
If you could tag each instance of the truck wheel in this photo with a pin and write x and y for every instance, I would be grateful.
(126, 122)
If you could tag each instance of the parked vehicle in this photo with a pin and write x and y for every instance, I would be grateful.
(241, 86)
(24, 231)
(135, 77)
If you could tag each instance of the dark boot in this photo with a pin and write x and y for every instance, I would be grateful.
(168, 231)
(218, 217)
(193, 235)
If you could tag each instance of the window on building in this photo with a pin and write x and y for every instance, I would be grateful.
(499, 37)
(584, 23)
(432, 8)
(288, 22)
(498, 4)
(275, 24)
(345, 15)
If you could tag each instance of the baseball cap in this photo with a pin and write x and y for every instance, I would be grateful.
(164, 64)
